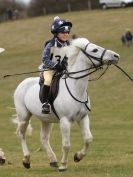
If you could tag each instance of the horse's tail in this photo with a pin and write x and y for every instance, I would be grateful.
(29, 130)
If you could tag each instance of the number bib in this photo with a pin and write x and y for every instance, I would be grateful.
(57, 54)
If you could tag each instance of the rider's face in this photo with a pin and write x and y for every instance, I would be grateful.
(63, 36)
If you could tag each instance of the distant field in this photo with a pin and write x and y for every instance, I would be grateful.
(111, 152)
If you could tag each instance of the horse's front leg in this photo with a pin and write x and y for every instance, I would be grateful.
(65, 131)
(45, 136)
(87, 137)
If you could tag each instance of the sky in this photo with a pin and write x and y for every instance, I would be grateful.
(25, 1)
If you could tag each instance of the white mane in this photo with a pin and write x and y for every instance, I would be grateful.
(80, 42)
(72, 50)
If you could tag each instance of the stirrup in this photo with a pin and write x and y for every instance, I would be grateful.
(46, 108)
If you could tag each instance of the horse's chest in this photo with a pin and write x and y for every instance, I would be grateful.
(78, 114)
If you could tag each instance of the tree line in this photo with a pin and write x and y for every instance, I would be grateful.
(40, 7)
(11, 9)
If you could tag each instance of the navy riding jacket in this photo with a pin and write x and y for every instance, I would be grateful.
(47, 55)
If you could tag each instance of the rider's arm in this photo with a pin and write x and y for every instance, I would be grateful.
(46, 56)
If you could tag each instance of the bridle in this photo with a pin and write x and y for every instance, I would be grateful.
(100, 59)
(91, 69)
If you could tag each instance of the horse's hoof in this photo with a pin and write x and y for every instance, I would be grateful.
(76, 158)
(26, 165)
(62, 169)
(2, 161)
(54, 164)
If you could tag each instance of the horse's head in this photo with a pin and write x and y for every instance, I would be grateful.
(99, 55)
(96, 55)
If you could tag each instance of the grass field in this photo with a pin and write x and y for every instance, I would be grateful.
(111, 152)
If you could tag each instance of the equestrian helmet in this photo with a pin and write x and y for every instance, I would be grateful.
(60, 26)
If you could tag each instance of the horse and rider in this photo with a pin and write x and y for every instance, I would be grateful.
(73, 62)
(60, 29)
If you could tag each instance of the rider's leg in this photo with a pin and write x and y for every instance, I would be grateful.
(46, 107)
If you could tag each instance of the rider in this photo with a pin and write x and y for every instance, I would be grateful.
(60, 29)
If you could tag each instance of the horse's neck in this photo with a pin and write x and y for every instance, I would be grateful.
(79, 85)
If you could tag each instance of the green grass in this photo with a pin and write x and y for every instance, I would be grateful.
(111, 152)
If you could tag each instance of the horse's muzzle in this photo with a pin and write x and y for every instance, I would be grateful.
(115, 59)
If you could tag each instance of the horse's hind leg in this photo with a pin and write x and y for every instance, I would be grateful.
(87, 137)
(45, 135)
(23, 121)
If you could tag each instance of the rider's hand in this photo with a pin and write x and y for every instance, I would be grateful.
(59, 67)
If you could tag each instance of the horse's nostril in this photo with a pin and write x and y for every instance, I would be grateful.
(117, 56)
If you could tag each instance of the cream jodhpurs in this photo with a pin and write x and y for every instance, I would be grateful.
(48, 75)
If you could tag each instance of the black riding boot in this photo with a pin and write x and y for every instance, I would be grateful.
(44, 92)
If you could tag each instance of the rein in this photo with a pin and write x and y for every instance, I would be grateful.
(84, 102)
(129, 77)
(68, 76)
(85, 75)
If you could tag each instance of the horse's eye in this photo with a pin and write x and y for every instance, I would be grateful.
(95, 50)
